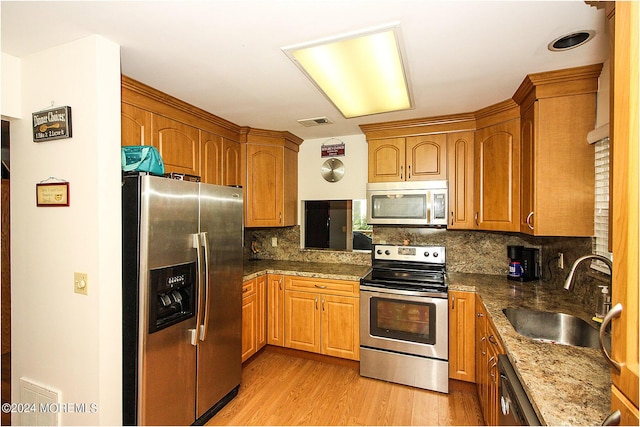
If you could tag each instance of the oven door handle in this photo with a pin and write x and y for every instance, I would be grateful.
(404, 292)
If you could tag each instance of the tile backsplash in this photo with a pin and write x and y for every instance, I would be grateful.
(467, 252)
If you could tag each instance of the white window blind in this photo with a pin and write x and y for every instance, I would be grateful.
(601, 218)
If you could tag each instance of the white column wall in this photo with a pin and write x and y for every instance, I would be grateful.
(60, 339)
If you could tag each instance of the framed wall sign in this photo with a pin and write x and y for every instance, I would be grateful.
(333, 147)
(52, 194)
(54, 123)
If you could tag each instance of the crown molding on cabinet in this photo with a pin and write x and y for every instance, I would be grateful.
(143, 96)
(569, 81)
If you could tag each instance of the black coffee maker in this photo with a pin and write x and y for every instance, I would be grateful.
(524, 265)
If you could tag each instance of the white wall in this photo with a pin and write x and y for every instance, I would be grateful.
(60, 339)
(10, 100)
(311, 184)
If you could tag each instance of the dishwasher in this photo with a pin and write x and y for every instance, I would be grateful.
(515, 407)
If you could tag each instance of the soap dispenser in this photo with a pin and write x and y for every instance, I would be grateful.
(604, 302)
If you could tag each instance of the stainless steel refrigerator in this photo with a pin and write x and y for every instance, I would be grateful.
(182, 282)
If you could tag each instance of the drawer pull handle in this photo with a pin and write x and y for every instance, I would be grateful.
(320, 286)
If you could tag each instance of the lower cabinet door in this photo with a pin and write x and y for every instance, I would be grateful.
(249, 313)
(275, 309)
(340, 326)
(302, 321)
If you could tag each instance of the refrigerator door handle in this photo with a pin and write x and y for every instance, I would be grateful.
(204, 326)
(195, 333)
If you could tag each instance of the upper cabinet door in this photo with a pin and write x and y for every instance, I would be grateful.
(387, 160)
(498, 177)
(264, 192)
(210, 158)
(232, 162)
(178, 145)
(460, 170)
(136, 125)
(626, 202)
(426, 157)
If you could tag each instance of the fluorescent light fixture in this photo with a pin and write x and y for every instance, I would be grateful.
(361, 74)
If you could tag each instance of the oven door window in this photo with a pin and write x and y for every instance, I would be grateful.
(403, 320)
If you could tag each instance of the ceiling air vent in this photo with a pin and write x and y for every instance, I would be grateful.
(316, 121)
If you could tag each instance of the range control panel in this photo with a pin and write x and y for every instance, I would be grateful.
(424, 254)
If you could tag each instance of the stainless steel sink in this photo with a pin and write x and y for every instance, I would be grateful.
(558, 328)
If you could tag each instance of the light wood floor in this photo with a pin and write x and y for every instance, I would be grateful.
(282, 388)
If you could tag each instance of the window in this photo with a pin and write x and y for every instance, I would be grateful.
(336, 224)
(601, 219)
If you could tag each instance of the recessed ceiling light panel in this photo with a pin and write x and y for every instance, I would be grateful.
(571, 40)
(361, 74)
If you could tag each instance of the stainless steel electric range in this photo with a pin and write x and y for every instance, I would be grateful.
(404, 317)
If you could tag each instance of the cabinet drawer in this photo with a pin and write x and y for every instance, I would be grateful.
(249, 288)
(322, 286)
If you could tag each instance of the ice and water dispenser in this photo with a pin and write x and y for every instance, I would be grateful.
(172, 295)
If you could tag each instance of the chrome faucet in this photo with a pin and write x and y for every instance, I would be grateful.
(568, 282)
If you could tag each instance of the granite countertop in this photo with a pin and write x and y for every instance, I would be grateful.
(307, 269)
(567, 385)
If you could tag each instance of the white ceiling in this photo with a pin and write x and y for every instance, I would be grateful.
(225, 56)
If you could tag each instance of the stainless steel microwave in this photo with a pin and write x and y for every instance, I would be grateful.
(407, 203)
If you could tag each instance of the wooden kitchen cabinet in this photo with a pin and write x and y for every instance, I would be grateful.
(211, 161)
(254, 330)
(190, 140)
(232, 166)
(494, 348)
(497, 172)
(220, 160)
(322, 316)
(558, 109)
(462, 335)
(275, 309)
(626, 218)
(261, 319)
(135, 125)
(414, 158)
(249, 316)
(460, 173)
(271, 182)
(628, 411)
(488, 347)
(482, 371)
(178, 144)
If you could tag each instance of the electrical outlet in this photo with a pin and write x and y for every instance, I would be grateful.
(80, 283)
(274, 242)
(560, 260)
